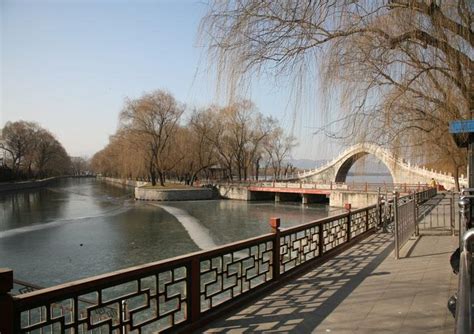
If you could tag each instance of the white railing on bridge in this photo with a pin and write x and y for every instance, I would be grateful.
(352, 186)
(428, 173)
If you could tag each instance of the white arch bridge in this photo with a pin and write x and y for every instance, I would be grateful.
(401, 170)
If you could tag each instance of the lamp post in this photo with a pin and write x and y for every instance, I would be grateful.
(463, 134)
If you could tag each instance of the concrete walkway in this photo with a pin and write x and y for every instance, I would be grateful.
(363, 290)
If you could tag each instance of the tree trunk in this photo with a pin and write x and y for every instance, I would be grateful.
(152, 174)
(162, 178)
(456, 177)
(257, 168)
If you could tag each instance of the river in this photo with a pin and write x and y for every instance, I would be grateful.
(78, 228)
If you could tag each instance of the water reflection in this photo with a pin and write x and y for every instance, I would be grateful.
(82, 227)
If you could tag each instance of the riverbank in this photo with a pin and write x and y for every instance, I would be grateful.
(122, 182)
(178, 192)
(31, 184)
(173, 194)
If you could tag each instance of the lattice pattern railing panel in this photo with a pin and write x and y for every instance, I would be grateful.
(334, 233)
(373, 217)
(299, 247)
(358, 223)
(157, 302)
(228, 275)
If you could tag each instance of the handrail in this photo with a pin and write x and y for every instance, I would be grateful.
(328, 186)
(132, 272)
(464, 302)
(464, 217)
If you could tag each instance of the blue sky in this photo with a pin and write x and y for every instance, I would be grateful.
(69, 65)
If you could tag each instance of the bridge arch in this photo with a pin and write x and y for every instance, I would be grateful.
(350, 159)
(402, 171)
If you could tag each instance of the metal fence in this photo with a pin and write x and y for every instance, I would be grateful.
(181, 293)
(403, 220)
(438, 215)
(464, 314)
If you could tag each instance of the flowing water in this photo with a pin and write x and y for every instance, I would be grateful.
(77, 228)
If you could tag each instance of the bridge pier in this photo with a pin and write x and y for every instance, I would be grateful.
(304, 199)
(357, 199)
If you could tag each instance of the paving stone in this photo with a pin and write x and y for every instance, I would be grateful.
(363, 290)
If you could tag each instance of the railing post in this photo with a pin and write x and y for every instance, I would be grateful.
(6, 302)
(366, 220)
(321, 239)
(395, 215)
(379, 208)
(275, 224)
(415, 214)
(195, 289)
(464, 218)
(463, 322)
(349, 225)
(452, 216)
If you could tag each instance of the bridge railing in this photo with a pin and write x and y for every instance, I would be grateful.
(352, 186)
(181, 293)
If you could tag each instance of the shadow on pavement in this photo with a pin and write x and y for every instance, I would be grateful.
(303, 303)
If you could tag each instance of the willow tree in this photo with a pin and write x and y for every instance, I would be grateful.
(402, 69)
(18, 139)
(201, 153)
(49, 157)
(150, 122)
(277, 148)
(237, 132)
(33, 151)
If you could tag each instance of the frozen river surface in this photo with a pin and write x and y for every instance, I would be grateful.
(82, 227)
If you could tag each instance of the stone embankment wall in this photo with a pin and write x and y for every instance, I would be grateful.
(356, 199)
(234, 192)
(122, 182)
(14, 186)
(151, 194)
